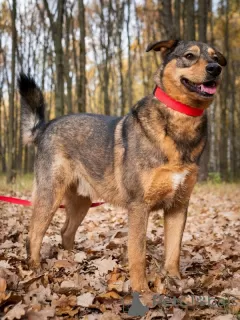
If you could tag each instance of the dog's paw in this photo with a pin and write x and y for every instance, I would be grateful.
(175, 285)
(35, 266)
(141, 287)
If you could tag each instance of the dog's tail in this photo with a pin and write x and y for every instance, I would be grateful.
(32, 108)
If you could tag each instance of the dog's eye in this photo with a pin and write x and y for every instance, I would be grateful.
(189, 56)
(215, 58)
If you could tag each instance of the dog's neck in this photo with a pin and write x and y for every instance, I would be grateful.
(182, 128)
(176, 105)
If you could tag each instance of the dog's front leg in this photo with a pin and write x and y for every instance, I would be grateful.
(138, 220)
(174, 223)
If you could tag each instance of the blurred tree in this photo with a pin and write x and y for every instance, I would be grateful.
(82, 80)
(190, 19)
(56, 26)
(11, 146)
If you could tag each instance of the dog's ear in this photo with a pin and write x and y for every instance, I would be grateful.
(163, 46)
(221, 59)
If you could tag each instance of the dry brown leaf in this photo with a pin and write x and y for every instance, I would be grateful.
(41, 293)
(16, 312)
(8, 244)
(116, 281)
(104, 265)
(4, 264)
(67, 310)
(42, 314)
(109, 295)
(3, 287)
(225, 317)
(80, 256)
(3, 294)
(85, 300)
(179, 314)
(64, 264)
(68, 284)
(110, 316)
(93, 316)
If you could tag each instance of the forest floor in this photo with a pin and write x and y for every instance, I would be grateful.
(92, 281)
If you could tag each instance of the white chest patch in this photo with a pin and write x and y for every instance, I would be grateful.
(84, 189)
(178, 178)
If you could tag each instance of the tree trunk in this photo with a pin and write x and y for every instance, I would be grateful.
(190, 20)
(202, 20)
(177, 16)
(57, 32)
(105, 37)
(119, 28)
(59, 60)
(67, 63)
(232, 133)
(204, 160)
(76, 68)
(224, 103)
(166, 14)
(81, 11)
(129, 72)
(11, 148)
(202, 31)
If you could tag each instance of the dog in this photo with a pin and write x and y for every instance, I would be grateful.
(145, 161)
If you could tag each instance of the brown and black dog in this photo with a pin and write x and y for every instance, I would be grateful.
(144, 161)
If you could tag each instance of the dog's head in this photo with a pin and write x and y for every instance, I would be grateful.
(190, 72)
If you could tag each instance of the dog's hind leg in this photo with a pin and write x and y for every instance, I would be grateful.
(76, 209)
(46, 201)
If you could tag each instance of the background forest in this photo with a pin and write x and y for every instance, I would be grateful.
(89, 56)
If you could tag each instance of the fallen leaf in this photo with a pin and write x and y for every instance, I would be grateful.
(109, 295)
(68, 284)
(80, 256)
(85, 300)
(110, 316)
(16, 312)
(63, 264)
(179, 314)
(104, 265)
(224, 317)
(41, 315)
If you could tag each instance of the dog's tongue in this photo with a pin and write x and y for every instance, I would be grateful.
(210, 90)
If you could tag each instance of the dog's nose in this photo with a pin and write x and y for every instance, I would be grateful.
(213, 69)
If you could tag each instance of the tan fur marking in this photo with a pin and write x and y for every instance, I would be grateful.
(160, 184)
(211, 52)
(194, 49)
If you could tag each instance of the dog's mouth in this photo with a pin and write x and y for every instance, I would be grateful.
(206, 89)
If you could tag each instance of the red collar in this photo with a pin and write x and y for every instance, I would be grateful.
(176, 105)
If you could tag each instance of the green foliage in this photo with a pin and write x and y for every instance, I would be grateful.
(214, 177)
(22, 184)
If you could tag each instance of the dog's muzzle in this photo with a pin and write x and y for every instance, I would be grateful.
(213, 69)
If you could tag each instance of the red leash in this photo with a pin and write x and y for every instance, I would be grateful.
(28, 203)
